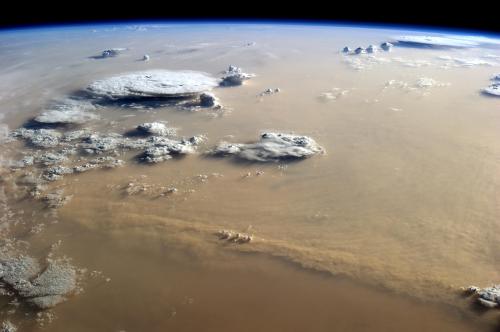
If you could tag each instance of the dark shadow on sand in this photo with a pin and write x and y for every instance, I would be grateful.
(136, 133)
(409, 44)
(245, 162)
(140, 158)
(32, 124)
(145, 102)
(489, 95)
(99, 57)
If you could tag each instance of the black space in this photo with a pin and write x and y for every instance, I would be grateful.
(477, 16)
